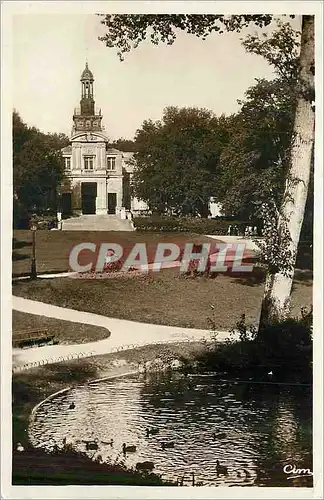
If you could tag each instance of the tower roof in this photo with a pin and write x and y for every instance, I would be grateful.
(87, 74)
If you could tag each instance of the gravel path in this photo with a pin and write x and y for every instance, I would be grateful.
(124, 334)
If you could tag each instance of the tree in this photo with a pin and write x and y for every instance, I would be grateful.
(176, 160)
(127, 31)
(276, 302)
(37, 166)
(126, 145)
(254, 164)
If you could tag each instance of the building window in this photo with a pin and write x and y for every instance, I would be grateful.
(88, 162)
(111, 163)
(67, 163)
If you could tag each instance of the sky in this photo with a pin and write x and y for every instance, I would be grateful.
(49, 55)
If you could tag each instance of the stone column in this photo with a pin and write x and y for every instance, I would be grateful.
(101, 196)
(103, 157)
(119, 193)
(98, 159)
(80, 166)
(73, 158)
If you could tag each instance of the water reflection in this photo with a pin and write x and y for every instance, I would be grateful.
(263, 427)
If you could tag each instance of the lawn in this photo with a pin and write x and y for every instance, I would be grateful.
(65, 332)
(166, 298)
(53, 247)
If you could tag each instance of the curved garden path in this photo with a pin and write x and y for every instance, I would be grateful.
(124, 334)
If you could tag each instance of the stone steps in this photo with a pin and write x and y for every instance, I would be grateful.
(97, 223)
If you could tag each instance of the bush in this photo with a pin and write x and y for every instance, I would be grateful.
(44, 221)
(188, 224)
(304, 258)
(288, 344)
(113, 267)
(21, 218)
(282, 348)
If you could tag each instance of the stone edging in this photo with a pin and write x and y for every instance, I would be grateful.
(67, 389)
(34, 410)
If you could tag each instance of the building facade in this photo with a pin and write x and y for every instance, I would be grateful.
(98, 176)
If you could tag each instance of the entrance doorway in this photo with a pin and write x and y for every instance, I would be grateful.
(89, 195)
(66, 204)
(112, 203)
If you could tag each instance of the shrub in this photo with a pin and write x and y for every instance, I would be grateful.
(44, 221)
(188, 224)
(113, 267)
(288, 344)
(21, 218)
(282, 348)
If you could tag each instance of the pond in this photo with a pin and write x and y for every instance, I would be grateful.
(260, 427)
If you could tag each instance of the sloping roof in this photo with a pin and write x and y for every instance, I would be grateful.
(113, 151)
(67, 150)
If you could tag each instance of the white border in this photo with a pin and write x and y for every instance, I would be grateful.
(8, 9)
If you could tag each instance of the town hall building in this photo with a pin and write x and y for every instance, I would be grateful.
(99, 177)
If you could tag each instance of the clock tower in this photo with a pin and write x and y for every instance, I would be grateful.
(86, 118)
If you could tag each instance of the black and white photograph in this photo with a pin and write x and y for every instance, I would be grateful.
(162, 200)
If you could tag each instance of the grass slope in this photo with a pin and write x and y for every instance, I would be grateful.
(165, 298)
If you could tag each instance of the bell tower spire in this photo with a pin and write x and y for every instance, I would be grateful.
(87, 101)
(86, 118)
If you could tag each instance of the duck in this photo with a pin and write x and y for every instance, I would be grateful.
(247, 474)
(92, 445)
(129, 448)
(152, 431)
(220, 469)
(219, 435)
(72, 406)
(145, 465)
(167, 444)
(110, 443)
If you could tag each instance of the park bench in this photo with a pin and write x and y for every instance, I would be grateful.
(29, 338)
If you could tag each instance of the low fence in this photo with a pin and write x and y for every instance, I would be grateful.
(72, 356)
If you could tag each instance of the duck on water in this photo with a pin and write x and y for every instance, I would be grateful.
(145, 466)
(221, 469)
(129, 449)
(152, 432)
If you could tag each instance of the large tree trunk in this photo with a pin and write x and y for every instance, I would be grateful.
(276, 300)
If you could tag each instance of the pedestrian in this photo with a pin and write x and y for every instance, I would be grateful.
(229, 230)
(255, 231)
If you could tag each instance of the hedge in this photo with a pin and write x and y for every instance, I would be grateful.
(188, 225)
